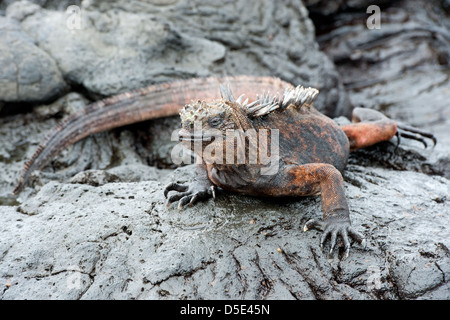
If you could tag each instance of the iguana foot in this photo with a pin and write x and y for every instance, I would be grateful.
(410, 132)
(370, 127)
(333, 228)
(189, 195)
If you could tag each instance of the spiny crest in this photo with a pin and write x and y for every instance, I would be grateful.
(225, 92)
(267, 103)
(299, 96)
(263, 105)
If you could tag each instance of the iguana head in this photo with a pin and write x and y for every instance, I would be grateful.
(205, 125)
(206, 116)
(209, 123)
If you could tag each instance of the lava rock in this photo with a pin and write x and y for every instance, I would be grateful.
(110, 47)
(120, 241)
(27, 73)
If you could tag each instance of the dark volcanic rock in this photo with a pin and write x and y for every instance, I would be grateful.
(401, 69)
(328, 8)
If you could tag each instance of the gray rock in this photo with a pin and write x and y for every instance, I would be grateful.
(111, 47)
(48, 4)
(400, 69)
(119, 241)
(27, 73)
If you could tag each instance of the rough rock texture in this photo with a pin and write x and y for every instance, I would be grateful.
(94, 224)
(119, 240)
(115, 46)
(401, 69)
(27, 73)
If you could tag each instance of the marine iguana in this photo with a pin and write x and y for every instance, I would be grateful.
(313, 149)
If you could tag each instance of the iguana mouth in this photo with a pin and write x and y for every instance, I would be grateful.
(186, 136)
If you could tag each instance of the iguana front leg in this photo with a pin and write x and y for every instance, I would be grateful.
(199, 189)
(324, 179)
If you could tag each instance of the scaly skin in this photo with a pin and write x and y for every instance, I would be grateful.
(313, 149)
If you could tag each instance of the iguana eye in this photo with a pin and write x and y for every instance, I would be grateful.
(214, 122)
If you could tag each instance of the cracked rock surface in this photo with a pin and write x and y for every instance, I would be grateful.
(119, 240)
(94, 223)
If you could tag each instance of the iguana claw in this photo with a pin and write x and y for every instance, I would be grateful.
(333, 229)
(188, 195)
